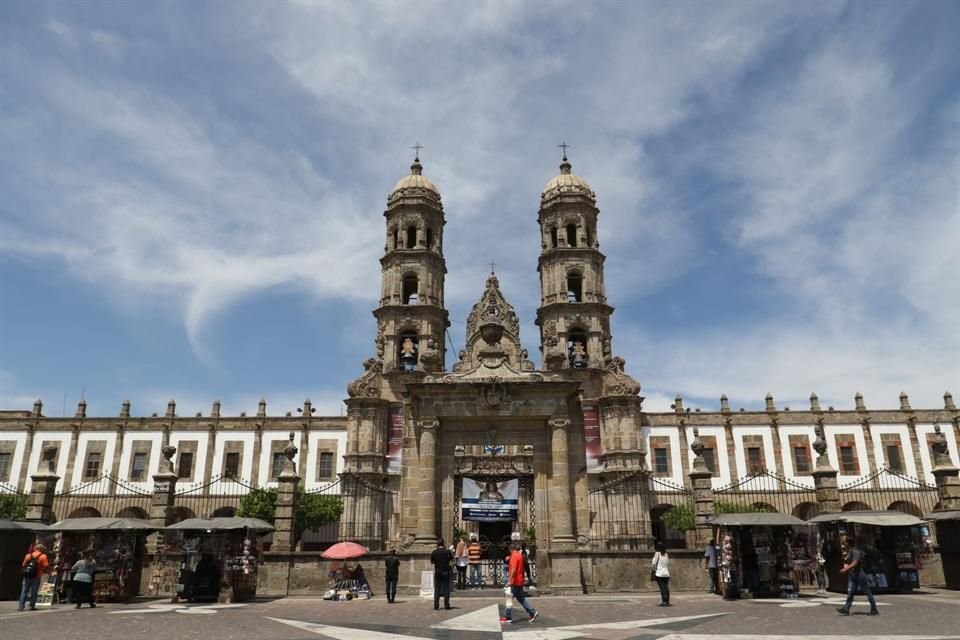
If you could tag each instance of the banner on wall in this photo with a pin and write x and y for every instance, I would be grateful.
(591, 438)
(395, 439)
(489, 501)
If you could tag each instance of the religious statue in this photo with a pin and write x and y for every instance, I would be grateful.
(431, 358)
(578, 355)
(408, 354)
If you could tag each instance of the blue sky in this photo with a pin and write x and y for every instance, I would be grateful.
(191, 194)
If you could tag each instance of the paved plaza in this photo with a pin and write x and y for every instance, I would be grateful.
(931, 615)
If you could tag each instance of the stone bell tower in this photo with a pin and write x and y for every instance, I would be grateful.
(574, 317)
(411, 318)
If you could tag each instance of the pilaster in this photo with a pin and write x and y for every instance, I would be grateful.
(427, 494)
(284, 521)
(561, 521)
(161, 505)
(44, 484)
(701, 479)
(946, 475)
(824, 476)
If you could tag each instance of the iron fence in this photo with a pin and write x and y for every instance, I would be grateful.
(664, 497)
(220, 497)
(620, 514)
(769, 492)
(105, 496)
(888, 490)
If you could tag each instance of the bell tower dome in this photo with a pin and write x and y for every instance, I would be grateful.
(411, 318)
(574, 317)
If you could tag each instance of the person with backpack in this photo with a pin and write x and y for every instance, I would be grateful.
(855, 565)
(34, 566)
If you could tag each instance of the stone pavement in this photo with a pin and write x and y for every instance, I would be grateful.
(932, 615)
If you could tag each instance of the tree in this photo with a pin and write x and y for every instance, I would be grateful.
(679, 517)
(733, 507)
(259, 503)
(12, 506)
(315, 510)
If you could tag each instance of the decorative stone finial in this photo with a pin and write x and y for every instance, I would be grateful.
(290, 451)
(308, 409)
(167, 451)
(172, 408)
(37, 408)
(820, 443)
(948, 402)
(941, 455)
(858, 401)
(125, 409)
(905, 402)
(814, 403)
(769, 402)
(81, 409)
(678, 404)
(724, 404)
(262, 408)
(215, 410)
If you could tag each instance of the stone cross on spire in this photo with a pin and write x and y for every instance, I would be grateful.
(493, 267)
(416, 148)
(563, 145)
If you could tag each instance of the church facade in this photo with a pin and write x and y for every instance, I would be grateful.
(555, 449)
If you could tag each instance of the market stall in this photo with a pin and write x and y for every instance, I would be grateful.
(118, 546)
(897, 542)
(947, 525)
(764, 554)
(218, 557)
(16, 539)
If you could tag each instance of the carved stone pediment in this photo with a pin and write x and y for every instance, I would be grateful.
(616, 382)
(495, 465)
(369, 384)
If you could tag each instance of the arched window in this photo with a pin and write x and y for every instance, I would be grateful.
(429, 238)
(574, 287)
(396, 239)
(589, 239)
(408, 351)
(571, 235)
(411, 237)
(553, 237)
(577, 349)
(411, 289)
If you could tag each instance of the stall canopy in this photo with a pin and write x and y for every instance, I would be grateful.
(875, 518)
(756, 520)
(16, 525)
(103, 524)
(222, 524)
(936, 515)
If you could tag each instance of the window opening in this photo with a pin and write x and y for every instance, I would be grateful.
(396, 239)
(276, 468)
(801, 459)
(577, 350)
(429, 238)
(138, 470)
(571, 235)
(661, 461)
(574, 287)
(848, 461)
(408, 351)
(325, 470)
(589, 239)
(708, 459)
(5, 466)
(411, 237)
(553, 237)
(92, 468)
(894, 458)
(231, 465)
(185, 465)
(754, 459)
(411, 286)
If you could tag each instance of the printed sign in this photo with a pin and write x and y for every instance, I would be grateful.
(395, 439)
(47, 595)
(591, 438)
(489, 501)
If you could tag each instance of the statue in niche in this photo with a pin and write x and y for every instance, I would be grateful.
(553, 354)
(578, 355)
(408, 354)
(431, 358)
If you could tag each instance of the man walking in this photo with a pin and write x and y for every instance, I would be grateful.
(474, 552)
(392, 566)
(515, 582)
(441, 559)
(857, 577)
(710, 560)
(34, 566)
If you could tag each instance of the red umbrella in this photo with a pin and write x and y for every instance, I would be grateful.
(345, 551)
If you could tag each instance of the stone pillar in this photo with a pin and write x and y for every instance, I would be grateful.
(701, 481)
(945, 474)
(825, 476)
(42, 489)
(427, 495)
(161, 505)
(285, 534)
(561, 523)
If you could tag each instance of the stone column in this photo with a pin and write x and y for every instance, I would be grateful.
(285, 534)
(561, 523)
(825, 476)
(161, 505)
(701, 481)
(42, 489)
(427, 495)
(945, 474)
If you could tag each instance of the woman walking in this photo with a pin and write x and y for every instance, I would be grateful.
(660, 569)
(83, 579)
